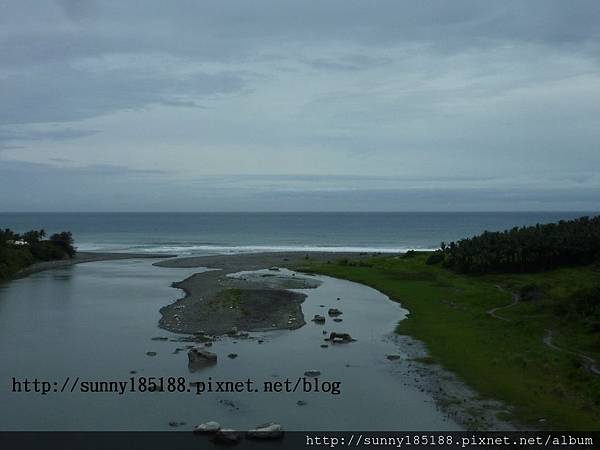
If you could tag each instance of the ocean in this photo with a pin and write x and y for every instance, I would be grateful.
(218, 233)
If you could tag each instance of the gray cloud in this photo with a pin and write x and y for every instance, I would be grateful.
(302, 104)
(53, 190)
(41, 135)
(58, 93)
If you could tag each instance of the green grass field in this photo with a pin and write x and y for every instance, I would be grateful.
(505, 360)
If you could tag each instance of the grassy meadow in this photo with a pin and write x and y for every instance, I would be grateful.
(502, 359)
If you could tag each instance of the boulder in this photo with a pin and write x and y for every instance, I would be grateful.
(392, 357)
(312, 373)
(207, 427)
(197, 354)
(236, 333)
(269, 430)
(340, 338)
(334, 312)
(232, 355)
(227, 436)
(318, 319)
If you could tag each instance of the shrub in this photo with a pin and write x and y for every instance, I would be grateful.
(64, 240)
(530, 292)
(435, 258)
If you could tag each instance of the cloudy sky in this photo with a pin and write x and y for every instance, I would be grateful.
(299, 105)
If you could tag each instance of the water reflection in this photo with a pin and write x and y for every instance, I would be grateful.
(96, 322)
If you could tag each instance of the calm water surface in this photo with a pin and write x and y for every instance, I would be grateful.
(95, 321)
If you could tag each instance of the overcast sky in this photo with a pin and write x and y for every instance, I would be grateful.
(299, 105)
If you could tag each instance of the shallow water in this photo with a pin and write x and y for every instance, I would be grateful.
(95, 321)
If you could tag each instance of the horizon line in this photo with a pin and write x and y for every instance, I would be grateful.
(312, 212)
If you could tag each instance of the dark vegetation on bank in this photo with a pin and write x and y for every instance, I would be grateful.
(18, 251)
(515, 314)
(525, 249)
(538, 248)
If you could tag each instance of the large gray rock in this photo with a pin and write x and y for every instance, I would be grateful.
(207, 427)
(200, 355)
(318, 319)
(269, 430)
(340, 338)
(227, 436)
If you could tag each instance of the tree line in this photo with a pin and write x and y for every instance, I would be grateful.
(525, 249)
(18, 251)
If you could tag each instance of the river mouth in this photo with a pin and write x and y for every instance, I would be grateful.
(97, 322)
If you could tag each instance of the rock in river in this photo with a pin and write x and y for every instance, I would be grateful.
(227, 436)
(340, 338)
(318, 319)
(197, 354)
(207, 427)
(334, 312)
(266, 431)
(312, 373)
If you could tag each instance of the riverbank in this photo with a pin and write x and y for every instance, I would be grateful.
(83, 257)
(99, 322)
(502, 359)
(213, 298)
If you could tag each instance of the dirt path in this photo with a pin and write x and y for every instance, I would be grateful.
(590, 364)
(492, 312)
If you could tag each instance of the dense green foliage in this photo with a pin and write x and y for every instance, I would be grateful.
(18, 251)
(526, 249)
(583, 305)
(502, 359)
